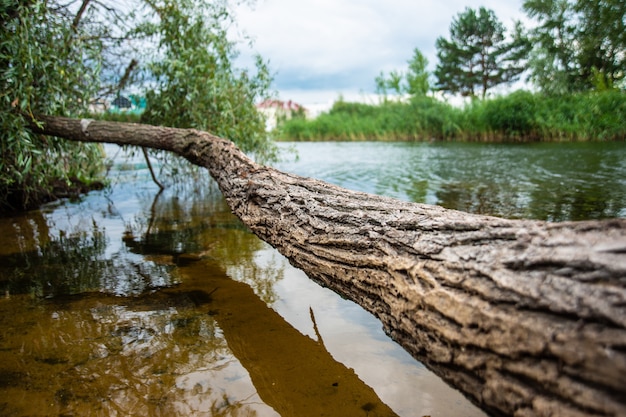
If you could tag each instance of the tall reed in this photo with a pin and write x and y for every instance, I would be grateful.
(521, 116)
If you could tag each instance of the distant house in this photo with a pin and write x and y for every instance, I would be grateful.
(276, 111)
(132, 104)
(122, 103)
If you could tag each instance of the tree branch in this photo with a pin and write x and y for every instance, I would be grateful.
(154, 178)
(79, 15)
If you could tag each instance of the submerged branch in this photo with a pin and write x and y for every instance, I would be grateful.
(154, 178)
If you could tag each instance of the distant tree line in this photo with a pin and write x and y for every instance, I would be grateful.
(576, 45)
(575, 56)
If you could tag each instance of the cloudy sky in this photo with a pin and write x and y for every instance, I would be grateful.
(320, 49)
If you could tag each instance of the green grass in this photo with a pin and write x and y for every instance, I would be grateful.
(521, 116)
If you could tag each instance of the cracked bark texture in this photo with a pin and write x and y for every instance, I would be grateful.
(526, 318)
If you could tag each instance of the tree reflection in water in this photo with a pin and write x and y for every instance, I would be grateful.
(154, 325)
(91, 355)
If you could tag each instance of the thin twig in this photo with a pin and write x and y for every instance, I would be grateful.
(154, 178)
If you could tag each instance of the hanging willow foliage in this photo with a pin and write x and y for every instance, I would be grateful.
(50, 66)
(57, 57)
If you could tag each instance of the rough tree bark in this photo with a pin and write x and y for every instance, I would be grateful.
(525, 317)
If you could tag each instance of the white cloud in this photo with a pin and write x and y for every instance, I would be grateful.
(339, 46)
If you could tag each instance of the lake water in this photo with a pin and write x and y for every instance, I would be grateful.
(548, 181)
(131, 302)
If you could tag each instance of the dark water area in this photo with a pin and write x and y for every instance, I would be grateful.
(547, 181)
(135, 302)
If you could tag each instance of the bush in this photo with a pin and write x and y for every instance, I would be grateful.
(512, 116)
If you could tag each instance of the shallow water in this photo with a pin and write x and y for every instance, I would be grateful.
(131, 302)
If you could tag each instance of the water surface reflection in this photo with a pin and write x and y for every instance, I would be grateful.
(547, 181)
(132, 302)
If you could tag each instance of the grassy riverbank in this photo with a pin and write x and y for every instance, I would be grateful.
(521, 116)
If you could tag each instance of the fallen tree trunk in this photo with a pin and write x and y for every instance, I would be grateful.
(525, 317)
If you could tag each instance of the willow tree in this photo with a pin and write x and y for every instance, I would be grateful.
(195, 83)
(59, 57)
(48, 64)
